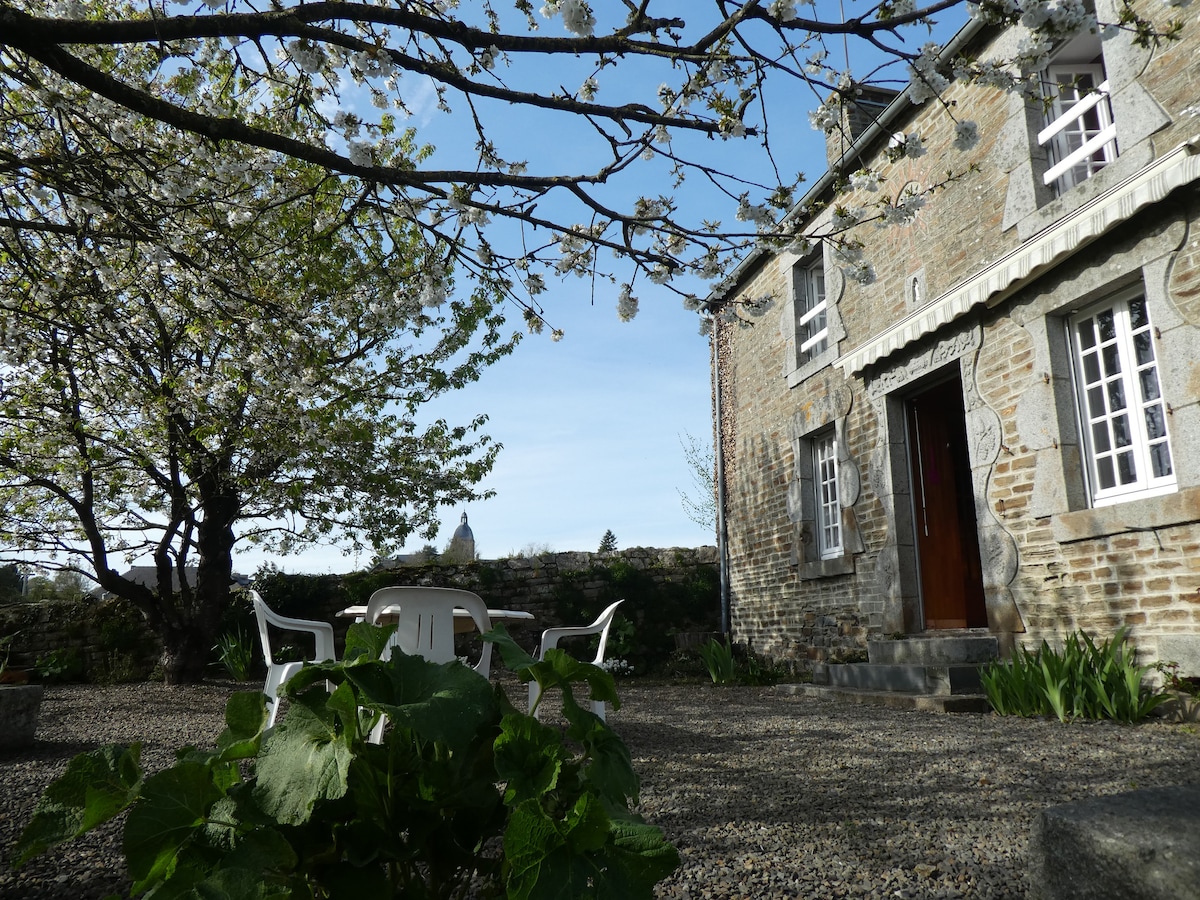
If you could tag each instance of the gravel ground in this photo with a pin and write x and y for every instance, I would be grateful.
(764, 793)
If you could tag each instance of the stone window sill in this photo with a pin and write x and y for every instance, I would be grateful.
(826, 568)
(1149, 514)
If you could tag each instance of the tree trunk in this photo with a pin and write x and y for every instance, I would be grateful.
(186, 654)
(188, 646)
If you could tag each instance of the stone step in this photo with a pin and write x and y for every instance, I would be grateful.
(904, 679)
(946, 703)
(935, 650)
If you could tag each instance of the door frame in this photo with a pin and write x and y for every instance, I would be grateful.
(906, 604)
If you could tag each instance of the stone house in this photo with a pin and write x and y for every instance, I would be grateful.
(1002, 430)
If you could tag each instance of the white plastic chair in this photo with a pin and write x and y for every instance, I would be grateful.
(551, 637)
(425, 626)
(425, 621)
(279, 672)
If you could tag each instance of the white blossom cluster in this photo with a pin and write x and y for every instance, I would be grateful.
(864, 180)
(576, 15)
(925, 81)
(578, 249)
(850, 257)
(846, 217)
(904, 210)
(627, 304)
(761, 215)
(783, 10)
(826, 117)
(966, 135)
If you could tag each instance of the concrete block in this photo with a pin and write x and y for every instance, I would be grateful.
(19, 705)
(1141, 845)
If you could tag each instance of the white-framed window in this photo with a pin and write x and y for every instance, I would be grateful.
(1121, 408)
(1080, 135)
(812, 322)
(825, 482)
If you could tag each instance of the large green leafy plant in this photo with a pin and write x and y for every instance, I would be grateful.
(463, 796)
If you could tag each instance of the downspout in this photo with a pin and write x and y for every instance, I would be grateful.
(719, 453)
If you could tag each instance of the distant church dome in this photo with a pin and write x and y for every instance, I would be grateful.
(462, 545)
(463, 532)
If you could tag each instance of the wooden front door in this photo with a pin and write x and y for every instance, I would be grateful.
(947, 538)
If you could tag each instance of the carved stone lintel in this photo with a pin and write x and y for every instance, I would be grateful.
(922, 362)
(821, 411)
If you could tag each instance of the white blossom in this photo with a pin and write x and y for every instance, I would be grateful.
(627, 304)
(361, 153)
(864, 180)
(966, 135)
(487, 57)
(904, 210)
(825, 117)
(846, 217)
(589, 88)
(576, 15)
(783, 10)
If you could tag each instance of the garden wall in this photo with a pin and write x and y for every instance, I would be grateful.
(666, 592)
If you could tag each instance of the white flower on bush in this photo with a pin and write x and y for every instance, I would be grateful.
(617, 666)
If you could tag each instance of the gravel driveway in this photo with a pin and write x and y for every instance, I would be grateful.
(765, 794)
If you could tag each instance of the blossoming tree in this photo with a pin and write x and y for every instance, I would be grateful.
(205, 344)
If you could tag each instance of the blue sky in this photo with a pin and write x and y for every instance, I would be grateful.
(591, 426)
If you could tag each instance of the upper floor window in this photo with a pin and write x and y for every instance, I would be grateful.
(812, 323)
(1122, 411)
(1080, 136)
(825, 481)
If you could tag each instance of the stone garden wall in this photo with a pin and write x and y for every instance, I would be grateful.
(666, 592)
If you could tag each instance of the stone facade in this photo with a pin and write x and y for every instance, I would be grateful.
(980, 290)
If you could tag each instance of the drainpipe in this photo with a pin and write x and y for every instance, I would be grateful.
(719, 453)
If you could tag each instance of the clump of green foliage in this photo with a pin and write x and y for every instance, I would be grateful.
(235, 650)
(464, 794)
(1081, 681)
(730, 664)
(718, 659)
(60, 666)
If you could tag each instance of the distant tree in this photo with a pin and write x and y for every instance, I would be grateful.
(701, 462)
(608, 543)
(11, 583)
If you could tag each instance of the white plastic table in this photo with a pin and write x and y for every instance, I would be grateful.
(462, 619)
